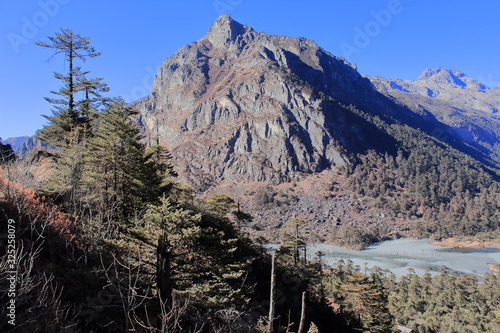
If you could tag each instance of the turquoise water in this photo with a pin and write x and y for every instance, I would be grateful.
(402, 254)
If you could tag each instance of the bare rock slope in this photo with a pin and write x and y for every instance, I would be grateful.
(248, 106)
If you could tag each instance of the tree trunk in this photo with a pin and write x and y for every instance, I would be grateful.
(305, 253)
(71, 84)
(302, 313)
(163, 274)
(271, 298)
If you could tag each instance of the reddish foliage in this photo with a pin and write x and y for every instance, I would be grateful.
(31, 208)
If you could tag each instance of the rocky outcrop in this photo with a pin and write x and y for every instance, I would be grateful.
(240, 105)
(22, 145)
(249, 106)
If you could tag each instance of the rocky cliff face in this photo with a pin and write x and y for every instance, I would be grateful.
(241, 105)
(245, 105)
(22, 145)
(269, 119)
(468, 107)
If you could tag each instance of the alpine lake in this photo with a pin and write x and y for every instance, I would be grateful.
(403, 255)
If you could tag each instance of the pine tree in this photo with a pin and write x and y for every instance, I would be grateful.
(67, 181)
(115, 165)
(292, 240)
(367, 301)
(209, 259)
(89, 106)
(67, 119)
(160, 173)
(220, 204)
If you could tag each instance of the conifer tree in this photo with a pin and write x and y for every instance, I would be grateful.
(88, 107)
(293, 240)
(66, 117)
(366, 299)
(116, 170)
(220, 204)
(207, 256)
(67, 181)
(160, 172)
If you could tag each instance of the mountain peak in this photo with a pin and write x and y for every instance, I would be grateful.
(450, 76)
(440, 72)
(226, 30)
(223, 20)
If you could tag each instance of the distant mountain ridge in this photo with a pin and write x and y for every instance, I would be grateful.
(468, 107)
(16, 142)
(446, 85)
(23, 144)
(290, 130)
(200, 83)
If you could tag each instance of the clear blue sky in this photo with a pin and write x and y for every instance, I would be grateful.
(389, 38)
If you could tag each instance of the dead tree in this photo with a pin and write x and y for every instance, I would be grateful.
(271, 298)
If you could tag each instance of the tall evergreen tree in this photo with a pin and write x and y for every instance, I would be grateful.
(208, 256)
(67, 118)
(115, 164)
(66, 182)
(292, 240)
(92, 100)
(367, 301)
(160, 172)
